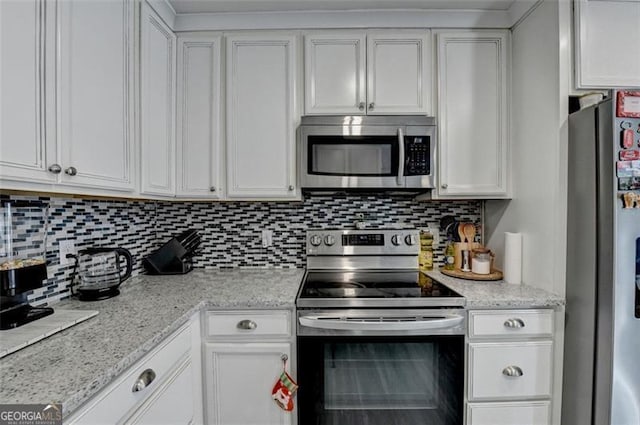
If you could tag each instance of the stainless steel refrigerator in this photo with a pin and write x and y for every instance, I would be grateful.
(602, 335)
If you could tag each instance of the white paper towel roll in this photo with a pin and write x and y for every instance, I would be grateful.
(512, 257)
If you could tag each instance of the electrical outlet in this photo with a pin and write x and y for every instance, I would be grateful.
(66, 247)
(267, 238)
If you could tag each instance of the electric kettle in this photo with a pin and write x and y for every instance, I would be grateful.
(100, 272)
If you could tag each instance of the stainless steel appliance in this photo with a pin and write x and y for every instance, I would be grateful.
(378, 343)
(602, 337)
(366, 152)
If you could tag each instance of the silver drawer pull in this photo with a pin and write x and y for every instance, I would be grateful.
(514, 323)
(144, 380)
(514, 371)
(247, 325)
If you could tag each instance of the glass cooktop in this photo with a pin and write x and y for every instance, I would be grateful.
(374, 288)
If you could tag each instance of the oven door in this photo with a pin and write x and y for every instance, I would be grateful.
(352, 156)
(364, 372)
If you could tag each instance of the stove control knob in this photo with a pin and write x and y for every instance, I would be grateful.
(410, 240)
(315, 240)
(395, 239)
(329, 240)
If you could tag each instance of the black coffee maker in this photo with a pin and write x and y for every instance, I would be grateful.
(23, 266)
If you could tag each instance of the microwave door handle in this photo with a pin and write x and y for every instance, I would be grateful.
(400, 157)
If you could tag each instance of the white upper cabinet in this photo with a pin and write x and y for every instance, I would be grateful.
(199, 135)
(607, 53)
(335, 67)
(374, 72)
(261, 115)
(95, 93)
(473, 86)
(157, 127)
(399, 72)
(24, 151)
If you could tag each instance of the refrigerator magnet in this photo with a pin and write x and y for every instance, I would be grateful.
(628, 103)
(624, 169)
(630, 155)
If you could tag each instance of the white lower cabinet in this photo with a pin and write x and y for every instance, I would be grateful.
(240, 377)
(509, 367)
(164, 387)
(521, 413)
(244, 356)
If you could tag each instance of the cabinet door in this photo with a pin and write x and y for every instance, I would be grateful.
(157, 75)
(25, 152)
(335, 73)
(472, 114)
(261, 116)
(604, 31)
(399, 72)
(95, 92)
(199, 165)
(240, 378)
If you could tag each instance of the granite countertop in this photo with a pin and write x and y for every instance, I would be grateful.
(498, 294)
(72, 365)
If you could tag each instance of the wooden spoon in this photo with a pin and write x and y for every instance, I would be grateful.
(461, 232)
(469, 231)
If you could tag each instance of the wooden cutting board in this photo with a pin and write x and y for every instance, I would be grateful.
(494, 275)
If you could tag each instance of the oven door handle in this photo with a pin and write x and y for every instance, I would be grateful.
(371, 324)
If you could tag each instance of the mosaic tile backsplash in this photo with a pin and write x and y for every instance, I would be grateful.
(230, 231)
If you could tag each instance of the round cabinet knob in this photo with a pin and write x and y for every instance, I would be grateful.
(361, 106)
(410, 240)
(371, 106)
(55, 169)
(291, 188)
(329, 240)
(71, 171)
(212, 189)
(395, 239)
(444, 185)
(315, 240)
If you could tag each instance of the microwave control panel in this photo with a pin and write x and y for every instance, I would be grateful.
(417, 155)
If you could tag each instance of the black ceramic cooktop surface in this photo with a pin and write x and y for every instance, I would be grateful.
(372, 284)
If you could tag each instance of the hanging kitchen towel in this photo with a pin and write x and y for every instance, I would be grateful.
(284, 389)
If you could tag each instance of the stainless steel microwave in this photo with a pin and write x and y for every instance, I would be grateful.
(366, 152)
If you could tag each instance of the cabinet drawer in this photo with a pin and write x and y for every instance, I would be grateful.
(511, 323)
(100, 409)
(510, 370)
(519, 413)
(249, 322)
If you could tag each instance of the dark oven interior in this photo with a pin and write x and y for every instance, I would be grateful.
(399, 380)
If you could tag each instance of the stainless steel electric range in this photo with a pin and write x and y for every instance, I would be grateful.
(378, 342)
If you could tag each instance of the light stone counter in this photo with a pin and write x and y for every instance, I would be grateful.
(75, 364)
(71, 366)
(498, 294)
